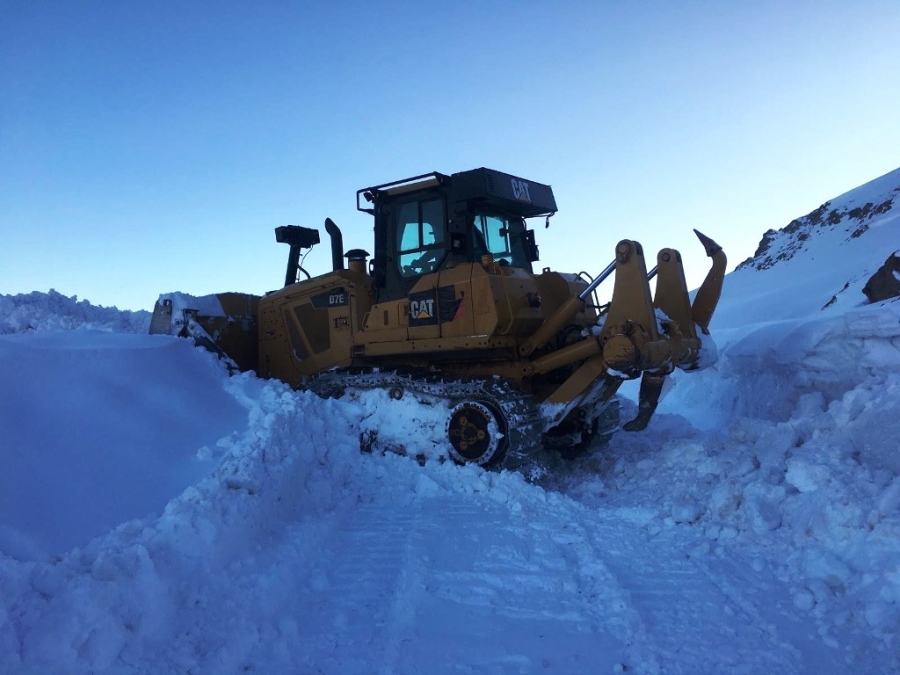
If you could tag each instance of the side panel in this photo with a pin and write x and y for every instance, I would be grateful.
(456, 302)
(385, 322)
(309, 327)
(464, 307)
(518, 302)
(506, 301)
(555, 288)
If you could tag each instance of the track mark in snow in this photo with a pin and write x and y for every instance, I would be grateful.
(375, 590)
(766, 598)
(684, 615)
(457, 585)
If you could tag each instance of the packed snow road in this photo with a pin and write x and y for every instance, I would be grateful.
(532, 585)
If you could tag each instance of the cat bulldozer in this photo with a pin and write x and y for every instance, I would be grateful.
(450, 308)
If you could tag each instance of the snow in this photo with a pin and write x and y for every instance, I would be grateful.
(157, 515)
(207, 305)
(54, 311)
(105, 450)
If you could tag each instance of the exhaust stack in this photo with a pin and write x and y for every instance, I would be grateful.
(337, 244)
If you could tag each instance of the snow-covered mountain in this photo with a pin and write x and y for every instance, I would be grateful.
(851, 215)
(158, 516)
(822, 260)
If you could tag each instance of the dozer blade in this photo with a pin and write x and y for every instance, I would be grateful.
(225, 324)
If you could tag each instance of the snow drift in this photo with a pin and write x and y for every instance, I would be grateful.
(54, 311)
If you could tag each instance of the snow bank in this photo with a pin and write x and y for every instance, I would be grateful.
(765, 371)
(98, 428)
(116, 598)
(54, 311)
(790, 455)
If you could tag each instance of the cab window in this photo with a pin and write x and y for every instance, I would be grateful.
(501, 236)
(420, 237)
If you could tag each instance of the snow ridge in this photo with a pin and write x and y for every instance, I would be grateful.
(54, 311)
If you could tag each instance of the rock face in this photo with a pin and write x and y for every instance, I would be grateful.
(861, 225)
(783, 244)
(885, 283)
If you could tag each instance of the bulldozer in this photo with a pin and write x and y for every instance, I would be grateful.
(449, 307)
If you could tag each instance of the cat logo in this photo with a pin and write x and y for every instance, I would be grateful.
(423, 308)
(520, 190)
(420, 310)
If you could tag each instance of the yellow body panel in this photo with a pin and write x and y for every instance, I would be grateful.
(468, 318)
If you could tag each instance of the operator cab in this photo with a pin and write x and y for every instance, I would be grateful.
(432, 222)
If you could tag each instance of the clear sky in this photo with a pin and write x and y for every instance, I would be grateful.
(148, 147)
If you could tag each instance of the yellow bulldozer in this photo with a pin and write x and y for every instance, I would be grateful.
(450, 307)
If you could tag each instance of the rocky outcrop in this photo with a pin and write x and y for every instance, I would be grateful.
(885, 283)
(785, 243)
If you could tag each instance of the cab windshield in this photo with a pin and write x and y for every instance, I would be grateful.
(502, 236)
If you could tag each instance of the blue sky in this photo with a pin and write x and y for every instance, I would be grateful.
(148, 147)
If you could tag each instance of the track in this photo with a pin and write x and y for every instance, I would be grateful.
(521, 416)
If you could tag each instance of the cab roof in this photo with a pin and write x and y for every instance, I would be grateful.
(494, 189)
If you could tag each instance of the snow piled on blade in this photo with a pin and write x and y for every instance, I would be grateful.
(206, 305)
